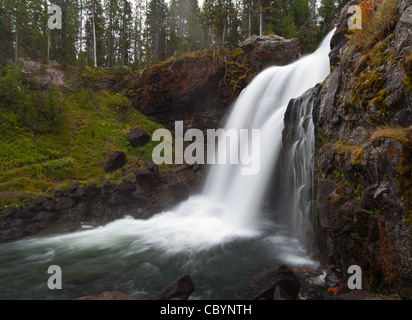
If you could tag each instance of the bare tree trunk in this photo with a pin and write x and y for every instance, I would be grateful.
(81, 27)
(124, 38)
(135, 59)
(260, 18)
(16, 47)
(313, 8)
(224, 32)
(48, 48)
(94, 38)
(250, 19)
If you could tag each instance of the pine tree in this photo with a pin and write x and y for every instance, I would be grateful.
(175, 38)
(327, 13)
(221, 21)
(156, 22)
(63, 42)
(194, 31)
(208, 24)
(183, 26)
(94, 37)
(6, 35)
(112, 11)
(138, 32)
(126, 30)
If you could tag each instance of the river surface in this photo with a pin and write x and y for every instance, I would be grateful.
(140, 257)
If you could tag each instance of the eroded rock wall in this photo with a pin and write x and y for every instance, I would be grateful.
(363, 172)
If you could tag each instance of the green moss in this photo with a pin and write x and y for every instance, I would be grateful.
(358, 190)
(372, 213)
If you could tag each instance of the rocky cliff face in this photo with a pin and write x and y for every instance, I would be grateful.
(266, 51)
(363, 119)
(183, 89)
(199, 88)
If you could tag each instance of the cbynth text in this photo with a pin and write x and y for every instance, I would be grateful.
(210, 309)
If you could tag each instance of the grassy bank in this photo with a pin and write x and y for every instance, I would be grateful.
(51, 134)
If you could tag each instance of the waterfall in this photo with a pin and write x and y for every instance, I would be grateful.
(217, 236)
(295, 171)
(262, 105)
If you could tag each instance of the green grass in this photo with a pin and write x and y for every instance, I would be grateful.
(93, 123)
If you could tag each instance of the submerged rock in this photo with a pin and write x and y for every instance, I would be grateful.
(180, 289)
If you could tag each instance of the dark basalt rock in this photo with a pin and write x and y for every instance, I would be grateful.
(279, 283)
(116, 160)
(151, 193)
(45, 216)
(266, 51)
(180, 289)
(138, 138)
(362, 205)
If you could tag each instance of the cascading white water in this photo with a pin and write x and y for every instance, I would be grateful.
(262, 106)
(206, 236)
(295, 171)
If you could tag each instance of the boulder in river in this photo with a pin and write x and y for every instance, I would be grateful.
(280, 283)
(180, 289)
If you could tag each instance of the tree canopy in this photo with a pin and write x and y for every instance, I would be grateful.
(109, 33)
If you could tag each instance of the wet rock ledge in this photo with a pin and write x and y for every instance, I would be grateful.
(152, 192)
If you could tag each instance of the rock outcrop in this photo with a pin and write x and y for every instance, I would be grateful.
(182, 89)
(180, 289)
(363, 166)
(200, 88)
(150, 193)
(278, 283)
(138, 138)
(115, 160)
(266, 51)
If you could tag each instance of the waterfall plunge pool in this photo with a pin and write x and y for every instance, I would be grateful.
(140, 257)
